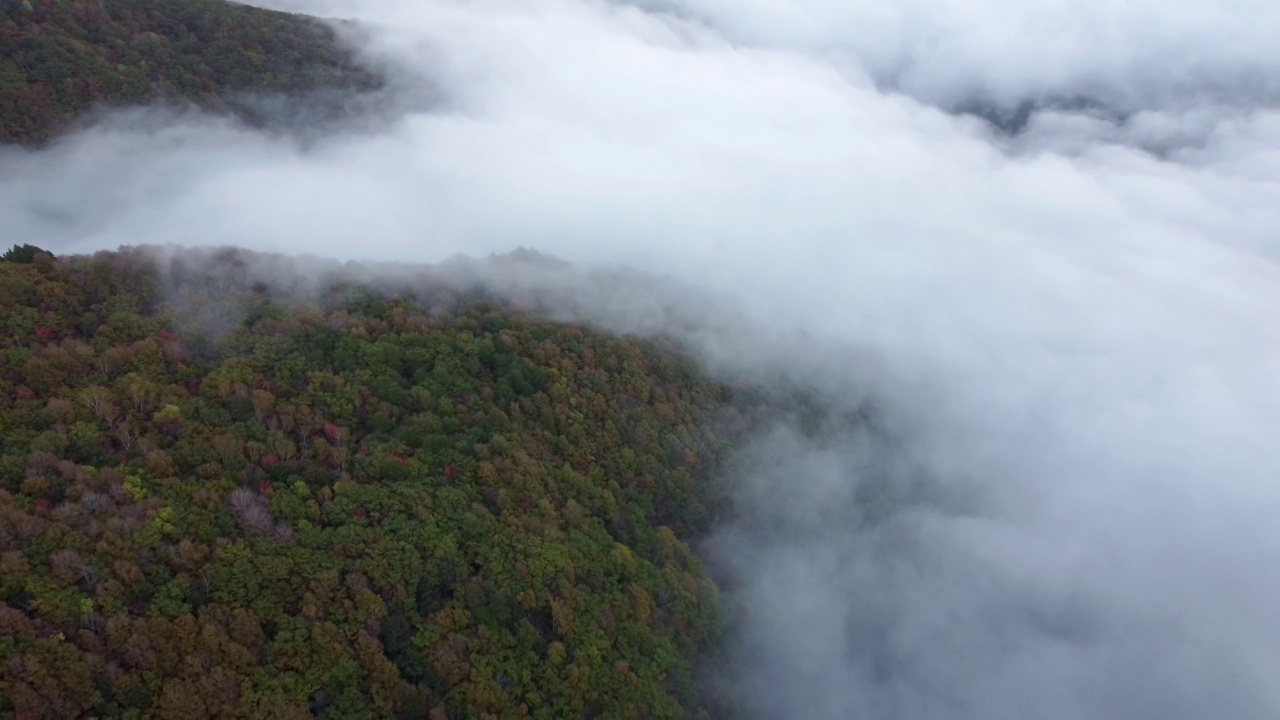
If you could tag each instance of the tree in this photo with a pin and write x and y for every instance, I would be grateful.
(26, 254)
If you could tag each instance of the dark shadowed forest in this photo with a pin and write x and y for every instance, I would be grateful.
(60, 60)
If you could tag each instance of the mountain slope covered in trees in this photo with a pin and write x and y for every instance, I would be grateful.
(61, 58)
(219, 500)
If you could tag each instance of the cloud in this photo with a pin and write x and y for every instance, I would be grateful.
(1139, 52)
(1068, 332)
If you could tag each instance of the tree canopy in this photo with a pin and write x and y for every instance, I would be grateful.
(344, 504)
(61, 58)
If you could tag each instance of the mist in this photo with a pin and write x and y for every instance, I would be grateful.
(1067, 509)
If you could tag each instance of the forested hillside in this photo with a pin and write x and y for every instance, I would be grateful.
(219, 501)
(61, 58)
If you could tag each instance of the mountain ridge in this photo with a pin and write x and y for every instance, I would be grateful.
(62, 61)
(351, 504)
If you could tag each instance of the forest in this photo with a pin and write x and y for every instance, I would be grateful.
(223, 499)
(62, 59)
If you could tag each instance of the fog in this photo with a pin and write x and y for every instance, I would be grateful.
(1065, 322)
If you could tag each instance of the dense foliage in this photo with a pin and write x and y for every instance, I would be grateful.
(60, 58)
(349, 506)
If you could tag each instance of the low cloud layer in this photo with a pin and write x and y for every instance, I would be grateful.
(1069, 330)
(1131, 56)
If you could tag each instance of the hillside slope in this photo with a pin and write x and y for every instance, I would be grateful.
(351, 505)
(61, 59)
